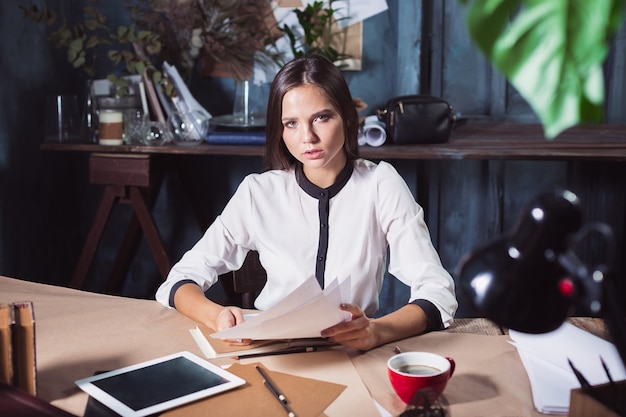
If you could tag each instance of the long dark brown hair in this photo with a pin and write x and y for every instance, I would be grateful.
(318, 71)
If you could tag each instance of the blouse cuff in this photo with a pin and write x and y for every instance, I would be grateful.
(433, 315)
(175, 288)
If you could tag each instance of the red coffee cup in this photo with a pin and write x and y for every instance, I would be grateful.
(410, 372)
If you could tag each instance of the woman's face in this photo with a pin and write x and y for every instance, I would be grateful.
(313, 132)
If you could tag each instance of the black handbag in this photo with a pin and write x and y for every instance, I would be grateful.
(416, 119)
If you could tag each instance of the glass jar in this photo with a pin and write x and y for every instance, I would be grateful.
(155, 134)
(188, 128)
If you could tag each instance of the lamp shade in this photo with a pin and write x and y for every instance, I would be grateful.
(519, 280)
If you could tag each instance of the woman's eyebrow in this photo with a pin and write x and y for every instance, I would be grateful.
(322, 112)
(313, 115)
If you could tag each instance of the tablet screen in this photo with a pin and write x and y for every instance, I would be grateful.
(160, 384)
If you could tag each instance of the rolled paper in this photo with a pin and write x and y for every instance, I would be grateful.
(374, 133)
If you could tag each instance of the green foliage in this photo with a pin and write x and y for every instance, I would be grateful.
(551, 51)
(125, 47)
(316, 21)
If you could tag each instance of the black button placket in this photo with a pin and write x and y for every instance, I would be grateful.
(322, 249)
(323, 195)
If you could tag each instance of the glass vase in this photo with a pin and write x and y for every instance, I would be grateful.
(250, 103)
(89, 115)
(188, 127)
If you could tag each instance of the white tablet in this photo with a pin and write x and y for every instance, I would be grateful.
(160, 384)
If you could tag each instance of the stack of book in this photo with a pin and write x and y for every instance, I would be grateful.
(233, 137)
(17, 346)
(18, 370)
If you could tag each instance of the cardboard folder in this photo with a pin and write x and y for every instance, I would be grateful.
(307, 397)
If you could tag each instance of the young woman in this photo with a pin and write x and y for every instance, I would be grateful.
(319, 210)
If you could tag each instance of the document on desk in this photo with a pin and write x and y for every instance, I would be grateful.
(545, 358)
(302, 314)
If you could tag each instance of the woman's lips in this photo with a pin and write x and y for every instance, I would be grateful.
(313, 154)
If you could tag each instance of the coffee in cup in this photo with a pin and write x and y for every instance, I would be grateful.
(410, 372)
(419, 370)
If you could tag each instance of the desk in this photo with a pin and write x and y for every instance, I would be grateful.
(79, 333)
(474, 141)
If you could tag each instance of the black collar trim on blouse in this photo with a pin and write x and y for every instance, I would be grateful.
(314, 191)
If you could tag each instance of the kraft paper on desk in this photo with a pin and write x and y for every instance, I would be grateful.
(302, 314)
(332, 366)
(307, 397)
(545, 358)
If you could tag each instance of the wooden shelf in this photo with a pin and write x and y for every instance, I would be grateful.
(509, 141)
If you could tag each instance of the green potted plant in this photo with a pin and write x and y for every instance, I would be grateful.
(551, 51)
(317, 21)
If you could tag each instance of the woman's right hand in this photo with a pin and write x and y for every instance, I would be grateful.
(228, 317)
(191, 301)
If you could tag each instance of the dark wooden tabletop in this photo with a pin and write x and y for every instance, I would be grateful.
(469, 141)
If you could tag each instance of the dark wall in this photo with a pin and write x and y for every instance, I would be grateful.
(470, 202)
(47, 205)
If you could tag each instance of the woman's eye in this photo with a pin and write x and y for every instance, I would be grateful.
(289, 124)
(323, 117)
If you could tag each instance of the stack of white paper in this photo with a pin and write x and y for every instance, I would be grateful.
(304, 313)
(545, 358)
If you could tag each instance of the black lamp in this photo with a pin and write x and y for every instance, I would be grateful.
(530, 279)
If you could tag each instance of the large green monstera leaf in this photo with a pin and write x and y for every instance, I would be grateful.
(551, 51)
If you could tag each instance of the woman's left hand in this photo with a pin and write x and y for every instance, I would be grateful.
(357, 333)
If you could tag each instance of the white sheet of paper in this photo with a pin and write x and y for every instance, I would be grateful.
(550, 385)
(545, 358)
(304, 313)
(343, 295)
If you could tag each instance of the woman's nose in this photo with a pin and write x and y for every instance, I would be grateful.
(309, 136)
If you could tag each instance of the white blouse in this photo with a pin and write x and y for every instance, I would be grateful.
(282, 216)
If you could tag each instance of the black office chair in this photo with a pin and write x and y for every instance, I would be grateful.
(249, 280)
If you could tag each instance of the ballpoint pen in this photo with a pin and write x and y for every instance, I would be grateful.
(275, 392)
